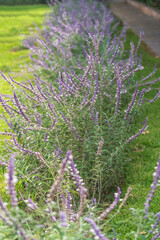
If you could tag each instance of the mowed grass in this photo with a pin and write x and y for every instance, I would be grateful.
(15, 22)
(143, 154)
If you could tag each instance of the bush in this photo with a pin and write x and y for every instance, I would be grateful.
(61, 218)
(85, 97)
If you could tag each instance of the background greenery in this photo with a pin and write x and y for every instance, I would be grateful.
(21, 2)
(152, 3)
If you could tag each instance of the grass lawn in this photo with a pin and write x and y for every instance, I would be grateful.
(15, 22)
(143, 153)
(14, 27)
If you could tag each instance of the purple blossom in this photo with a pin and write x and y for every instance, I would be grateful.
(155, 98)
(20, 147)
(75, 174)
(96, 230)
(149, 83)
(12, 181)
(63, 197)
(141, 95)
(5, 105)
(20, 107)
(156, 236)
(108, 123)
(156, 223)
(31, 204)
(63, 219)
(69, 205)
(153, 189)
(132, 102)
(138, 133)
(46, 137)
(151, 74)
(112, 206)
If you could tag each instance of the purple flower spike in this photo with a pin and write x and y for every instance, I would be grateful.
(12, 181)
(63, 219)
(156, 236)
(96, 230)
(132, 102)
(153, 189)
(69, 206)
(140, 131)
(156, 223)
(75, 173)
(108, 123)
(155, 98)
(20, 107)
(46, 136)
(112, 206)
(31, 204)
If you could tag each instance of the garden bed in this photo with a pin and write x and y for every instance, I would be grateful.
(72, 127)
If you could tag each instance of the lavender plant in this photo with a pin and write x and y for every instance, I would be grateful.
(58, 219)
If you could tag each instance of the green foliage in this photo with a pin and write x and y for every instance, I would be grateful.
(21, 2)
(152, 3)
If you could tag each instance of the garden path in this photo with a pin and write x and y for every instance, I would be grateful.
(137, 21)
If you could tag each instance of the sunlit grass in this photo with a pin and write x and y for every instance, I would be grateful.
(15, 22)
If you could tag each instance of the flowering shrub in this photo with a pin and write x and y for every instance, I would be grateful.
(85, 96)
(59, 219)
